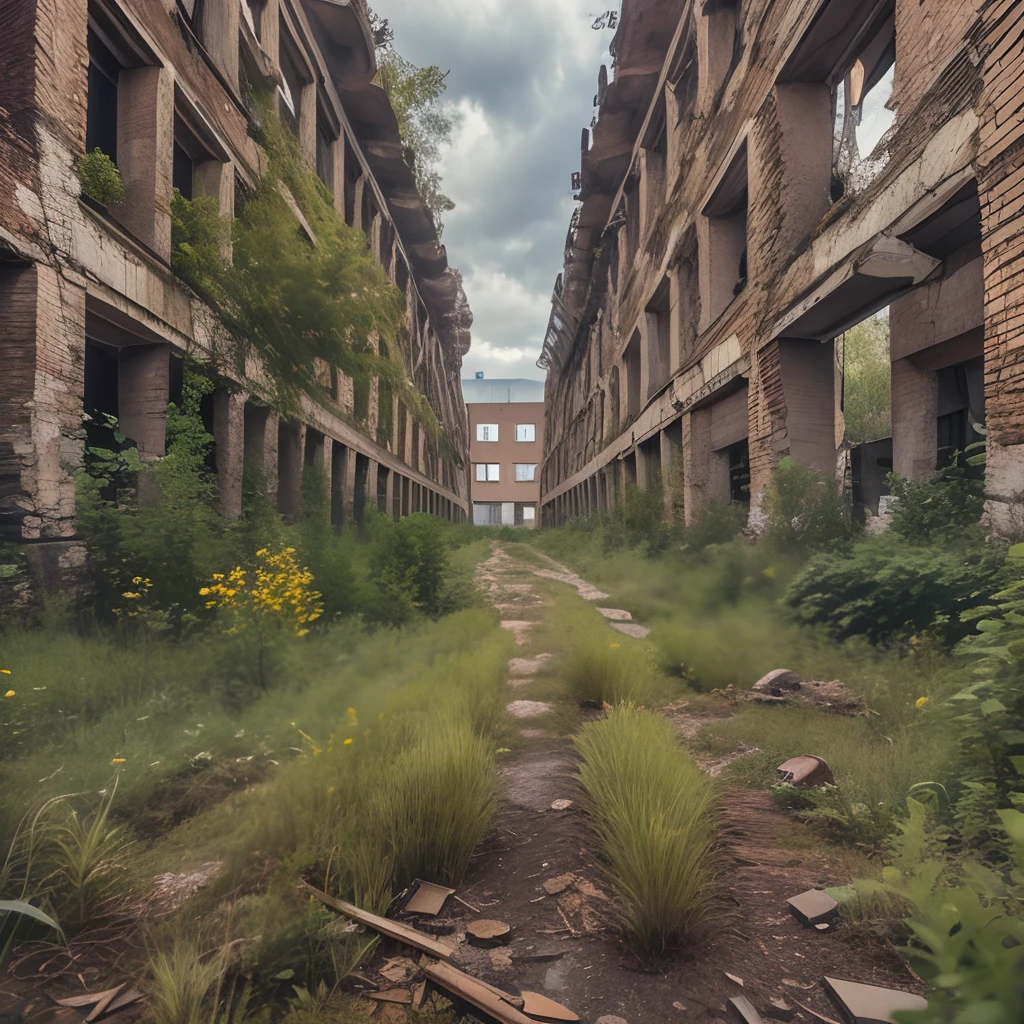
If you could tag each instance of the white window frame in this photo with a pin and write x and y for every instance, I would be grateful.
(484, 430)
(526, 466)
(529, 513)
(488, 472)
(522, 428)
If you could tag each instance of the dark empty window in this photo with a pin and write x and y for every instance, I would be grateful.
(290, 87)
(184, 169)
(738, 457)
(101, 119)
(961, 407)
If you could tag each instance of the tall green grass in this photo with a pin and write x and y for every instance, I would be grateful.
(653, 813)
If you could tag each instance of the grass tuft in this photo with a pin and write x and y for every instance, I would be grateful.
(653, 813)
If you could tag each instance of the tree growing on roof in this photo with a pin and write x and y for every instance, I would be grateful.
(425, 121)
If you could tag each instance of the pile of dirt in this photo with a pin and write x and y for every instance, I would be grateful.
(782, 686)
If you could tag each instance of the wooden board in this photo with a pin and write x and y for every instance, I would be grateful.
(540, 1007)
(392, 929)
(483, 997)
(428, 898)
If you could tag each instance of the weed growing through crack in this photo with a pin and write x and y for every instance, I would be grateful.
(652, 810)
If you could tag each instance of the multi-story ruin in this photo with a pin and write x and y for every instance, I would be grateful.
(760, 176)
(92, 319)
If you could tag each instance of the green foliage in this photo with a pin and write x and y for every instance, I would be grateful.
(198, 237)
(965, 920)
(884, 590)
(940, 508)
(804, 509)
(867, 380)
(652, 810)
(100, 178)
(16, 921)
(188, 984)
(716, 522)
(637, 522)
(425, 123)
(410, 560)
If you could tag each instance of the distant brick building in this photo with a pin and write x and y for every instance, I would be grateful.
(760, 176)
(91, 317)
(506, 440)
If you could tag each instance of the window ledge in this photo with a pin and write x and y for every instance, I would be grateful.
(110, 222)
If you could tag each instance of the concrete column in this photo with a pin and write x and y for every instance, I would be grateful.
(696, 432)
(229, 438)
(337, 490)
(389, 498)
(671, 455)
(371, 484)
(915, 409)
(349, 470)
(145, 130)
(291, 440)
(270, 456)
(143, 382)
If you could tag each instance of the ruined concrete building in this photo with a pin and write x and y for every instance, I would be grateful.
(760, 176)
(92, 320)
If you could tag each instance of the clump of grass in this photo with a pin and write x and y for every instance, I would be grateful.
(435, 803)
(653, 813)
(185, 985)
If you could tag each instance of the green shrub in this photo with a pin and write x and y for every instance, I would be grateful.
(945, 506)
(716, 522)
(805, 509)
(637, 523)
(652, 810)
(198, 237)
(604, 667)
(100, 178)
(883, 589)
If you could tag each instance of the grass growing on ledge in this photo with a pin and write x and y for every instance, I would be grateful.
(652, 811)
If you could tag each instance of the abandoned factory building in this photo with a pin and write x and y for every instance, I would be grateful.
(761, 176)
(93, 322)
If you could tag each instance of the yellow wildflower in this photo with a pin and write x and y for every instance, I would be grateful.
(920, 702)
(330, 790)
(118, 760)
(5, 671)
(770, 572)
(615, 646)
(348, 741)
(10, 693)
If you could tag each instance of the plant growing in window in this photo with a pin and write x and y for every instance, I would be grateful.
(100, 178)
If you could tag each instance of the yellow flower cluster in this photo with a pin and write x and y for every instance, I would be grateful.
(920, 702)
(278, 586)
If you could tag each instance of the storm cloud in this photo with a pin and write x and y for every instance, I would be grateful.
(522, 76)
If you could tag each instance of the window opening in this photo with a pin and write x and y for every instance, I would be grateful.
(726, 212)
(738, 458)
(101, 116)
(961, 420)
(526, 472)
(488, 472)
(487, 431)
(526, 432)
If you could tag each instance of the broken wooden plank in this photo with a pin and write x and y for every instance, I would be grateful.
(540, 1007)
(484, 997)
(428, 898)
(392, 929)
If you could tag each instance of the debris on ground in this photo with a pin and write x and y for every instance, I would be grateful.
(561, 805)
(832, 695)
(392, 929)
(392, 995)
(492, 1001)
(427, 898)
(813, 907)
(528, 708)
(780, 1009)
(488, 933)
(746, 1009)
(553, 886)
(616, 614)
(633, 629)
(806, 771)
(103, 1003)
(869, 1004)
(542, 1008)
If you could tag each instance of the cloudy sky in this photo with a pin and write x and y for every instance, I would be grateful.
(523, 75)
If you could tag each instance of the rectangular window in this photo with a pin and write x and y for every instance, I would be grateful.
(529, 513)
(487, 472)
(526, 432)
(526, 472)
(101, 116)
(487, 431)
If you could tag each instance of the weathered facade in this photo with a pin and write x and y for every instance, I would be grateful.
(760, 176)
(91, 317)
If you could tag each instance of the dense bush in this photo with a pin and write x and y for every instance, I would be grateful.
(884, 589)
(716, 522)
(637, 522)
(805, 509)
(938, 508)
(100, 178)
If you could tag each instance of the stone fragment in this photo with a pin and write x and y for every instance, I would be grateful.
(813, 907)
(633, 629)
(869, 1004)
(806, 771)
(561, 805)
(528, 708)
(616, 614)
(553, 886)
(778, 681)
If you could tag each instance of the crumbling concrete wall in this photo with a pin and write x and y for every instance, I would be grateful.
(744, 103)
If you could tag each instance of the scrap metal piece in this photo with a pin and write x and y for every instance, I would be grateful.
(541, 1008)
(806, 771)
(392, 929)
(813, 907)
(746, 1009)
(427, 898)
(869, 1004)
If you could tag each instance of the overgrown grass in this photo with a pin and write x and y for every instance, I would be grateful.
(652, 809)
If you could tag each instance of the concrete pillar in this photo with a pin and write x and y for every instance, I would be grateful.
(389, 496)
(143, 382)
(696, 432)
(915, 405)
(229, 438)
(349, 469)
(291, 441)
(671, 456)
(371, 484)
(145, 145)
(270, 456)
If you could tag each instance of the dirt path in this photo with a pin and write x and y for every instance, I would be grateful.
(564, 942)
